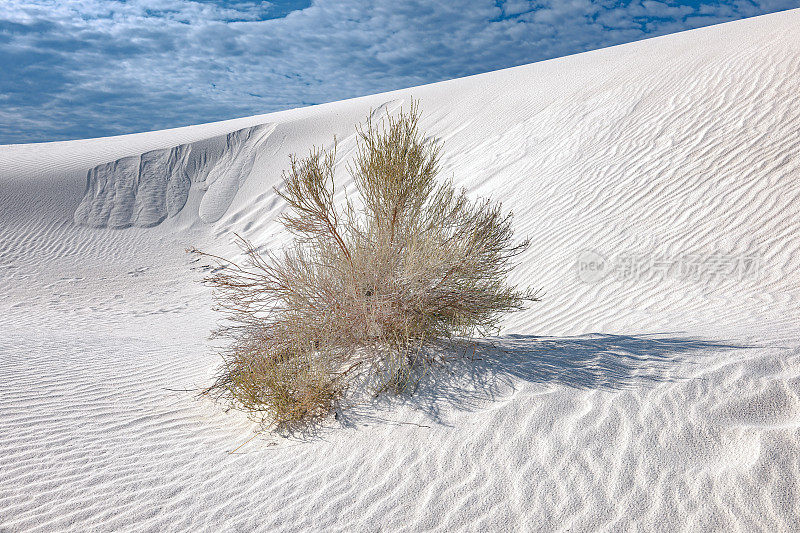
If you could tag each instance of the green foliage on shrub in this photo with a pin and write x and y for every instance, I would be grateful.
(371, 291)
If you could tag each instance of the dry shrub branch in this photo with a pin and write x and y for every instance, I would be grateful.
(369, 294)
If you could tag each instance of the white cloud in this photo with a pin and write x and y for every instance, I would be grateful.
(98, 67)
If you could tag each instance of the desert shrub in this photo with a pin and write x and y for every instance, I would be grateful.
(371, 291)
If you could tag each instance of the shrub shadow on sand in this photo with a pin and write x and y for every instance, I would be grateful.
(486, 371)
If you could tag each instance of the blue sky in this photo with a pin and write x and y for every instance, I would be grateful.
(87, 68)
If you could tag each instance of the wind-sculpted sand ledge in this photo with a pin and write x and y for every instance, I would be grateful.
(144, 190)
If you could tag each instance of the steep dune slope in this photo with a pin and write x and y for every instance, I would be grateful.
(660, 184)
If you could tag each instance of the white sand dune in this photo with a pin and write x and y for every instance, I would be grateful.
(660, 393)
